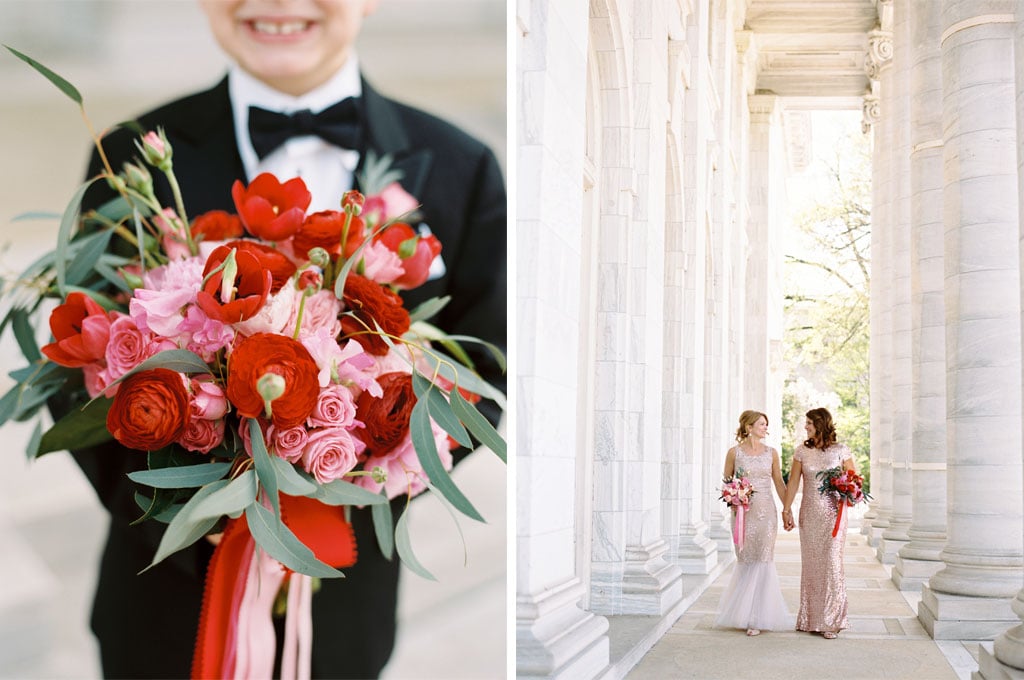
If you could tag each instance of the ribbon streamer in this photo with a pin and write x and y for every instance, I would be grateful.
(839, 518)
(737, 534)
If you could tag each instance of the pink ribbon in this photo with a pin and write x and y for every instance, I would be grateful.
(737, 534)
(297, 655)
(256, 641)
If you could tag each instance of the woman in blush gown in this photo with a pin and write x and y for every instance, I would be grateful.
(753, 598)
(822, 578)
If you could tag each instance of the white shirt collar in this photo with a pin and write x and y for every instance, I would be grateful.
(245, 91)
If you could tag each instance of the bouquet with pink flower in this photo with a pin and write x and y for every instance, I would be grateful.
(736, 493)
(846, 486)
(264, 365)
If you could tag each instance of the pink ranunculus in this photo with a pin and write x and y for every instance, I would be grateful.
(334, 408)
(173, 239)
(405, 474)
(273, 316)
(288, 442)
(321, 311)
(208, 399)
(381, 264)
(128, 347)
(160, 305)
(393, 201)
(205, 336)
(329, 454)
(202, 435)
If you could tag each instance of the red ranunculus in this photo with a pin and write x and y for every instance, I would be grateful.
(323, 230)
(270, 210)
(415, 264)
(264, 353)
(271, 259)
(216, 225)
(370, 302)
(81, 329)
(150, 411)
(386, 418)
(252, 285)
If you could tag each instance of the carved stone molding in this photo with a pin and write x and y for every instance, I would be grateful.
(879, 52)
(872, 112)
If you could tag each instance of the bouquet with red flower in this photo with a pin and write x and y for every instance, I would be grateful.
(736, 493)
(264, 365)
(846, 486)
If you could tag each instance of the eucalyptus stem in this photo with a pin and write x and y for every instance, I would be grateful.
(180, 203)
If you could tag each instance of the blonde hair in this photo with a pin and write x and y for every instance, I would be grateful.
(747, 420)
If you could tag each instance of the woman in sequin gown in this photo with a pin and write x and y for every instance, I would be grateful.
(822, 578)
(753, 598)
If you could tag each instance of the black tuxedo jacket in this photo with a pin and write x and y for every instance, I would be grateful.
(146, 624)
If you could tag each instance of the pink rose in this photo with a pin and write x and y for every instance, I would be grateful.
(202, 435)
(128, 347)
(321, 311)
(96, 380)
(334, 408)
(208, 400)
(288, 442)
(329, 454)
(381, 264)
(393, 201)
(405, 474)
(205, 336)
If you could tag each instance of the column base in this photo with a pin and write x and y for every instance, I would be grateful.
(887, 549)
(694, 553)
(958, 617)
(911, 574)
(721, 534)
(991, 668)
(649, 585)
(557, 639)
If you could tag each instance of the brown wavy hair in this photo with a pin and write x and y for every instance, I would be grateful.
(747, 420)
(824, 430)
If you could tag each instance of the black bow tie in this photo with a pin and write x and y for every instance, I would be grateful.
(338, 124)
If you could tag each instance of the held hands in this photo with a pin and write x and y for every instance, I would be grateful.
(787, 520)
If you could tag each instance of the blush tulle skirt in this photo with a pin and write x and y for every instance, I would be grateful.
(753, 599)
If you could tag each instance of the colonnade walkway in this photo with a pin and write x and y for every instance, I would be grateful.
(884, 640)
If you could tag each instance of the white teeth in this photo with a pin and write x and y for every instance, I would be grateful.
(282, 28)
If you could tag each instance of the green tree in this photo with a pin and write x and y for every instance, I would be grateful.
(827, 279)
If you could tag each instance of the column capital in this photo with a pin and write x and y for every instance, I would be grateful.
(880, 52)
(762, 104)
(872, 111)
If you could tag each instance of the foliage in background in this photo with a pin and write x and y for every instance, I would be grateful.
(827, 279)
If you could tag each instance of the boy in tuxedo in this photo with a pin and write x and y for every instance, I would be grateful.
(294, 103)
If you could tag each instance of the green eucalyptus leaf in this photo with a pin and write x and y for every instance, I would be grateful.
(111, 276)
(455, 519)
(9, 403)
(439, 409)
(479, 426)
(183, 530)
(462, 376)
(25, 334)
(495, 351)
(35, 215)
(62, 85)
(426, 451)
(383, 525)
(82, 265)
(184, 477)
(339, 283)
(429, 308)
(404, 546)
(289, 479)
(34, 397)
(79, 429)
(235, 497)
(281, 544)
(266, 473)
(32, 449)
(67, 223)
(340, 492)
(161, 507)
(179, 360)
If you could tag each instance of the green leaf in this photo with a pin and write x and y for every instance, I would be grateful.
(479, 426)
(133, 126)
(495, 351)
(462, 376)
(439, 409)
(9, 403)
(180, 360)
(266, 473)
(281, 544)
(184, 477)
(455, 519)
(35, 215)
(32, 398)
(161, 506)
(183, 530)
(426, 451)
(79, 429)
(383, 525)
(235, 497)
(404, 546)
(340, 492)
(110, 275)
(339, 283)
(25, 334)
(33, 441)
(62, 85)
(289, 479)
(87, 258)
(67, 223)
(429, 308)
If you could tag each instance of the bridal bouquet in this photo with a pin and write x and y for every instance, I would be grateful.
(736, 493)
(846, 486)
(263, 365)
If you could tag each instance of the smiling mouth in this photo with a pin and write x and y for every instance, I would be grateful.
(288, 27)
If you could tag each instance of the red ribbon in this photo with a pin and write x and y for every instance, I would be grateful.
(322, 528)
(839, 518)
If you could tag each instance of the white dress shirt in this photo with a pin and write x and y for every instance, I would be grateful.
(326, 169)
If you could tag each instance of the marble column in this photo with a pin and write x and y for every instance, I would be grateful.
(895, 536)
(556, 637)
(970, 597)
(880, 68)
(919, 560)
(1008, 657)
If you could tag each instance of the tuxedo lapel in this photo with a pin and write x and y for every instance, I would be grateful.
(385, 134)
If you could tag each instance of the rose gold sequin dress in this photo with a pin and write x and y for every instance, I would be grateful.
(753, 598)
(822, 577)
